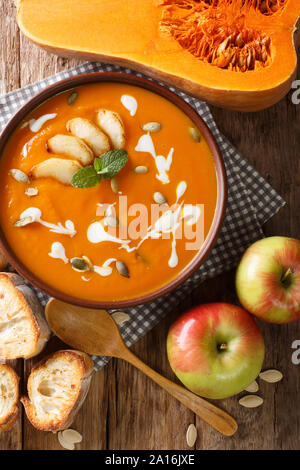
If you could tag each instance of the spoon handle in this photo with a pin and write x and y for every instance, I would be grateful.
(211, 414)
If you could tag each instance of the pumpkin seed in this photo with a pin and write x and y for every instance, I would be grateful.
(239, 40)
(241, 61)
(25, 221)
(111, 221)
(71, 436)
(249, 60)
(80, 264)
(88, 261)
(120, 317)
(159, 198)
(122, 269)
(24, 124)
(195, 134)
(141, 170)
(272, 376)
(65, 444)
(30, 192)
(191, 435)
(114, 184)
(252, 388)
(72, 98)
(19, 175)
(264, 56)
(223, 46)
(140, 257)
(152, 127)
(251, 401)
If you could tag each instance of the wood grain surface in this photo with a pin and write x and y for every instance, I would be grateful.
(124, 409)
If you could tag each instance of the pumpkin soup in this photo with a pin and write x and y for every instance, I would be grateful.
(108, 191)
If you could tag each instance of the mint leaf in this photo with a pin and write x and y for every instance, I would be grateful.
(107, 166)
(98, 164)
(113, 162)
(86, 177)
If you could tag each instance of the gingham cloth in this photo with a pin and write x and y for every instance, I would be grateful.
(251, 202)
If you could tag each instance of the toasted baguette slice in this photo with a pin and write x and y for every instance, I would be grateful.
(71, 146)
(112, 124)
(23, 328)
(9, 397)
(57, 387)
(90, 134)
(3, 261)
(57, 168)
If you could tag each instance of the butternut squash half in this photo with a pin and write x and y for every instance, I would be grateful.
(238, 54)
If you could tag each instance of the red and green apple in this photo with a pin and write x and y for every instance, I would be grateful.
(268, 279)
(216, 350)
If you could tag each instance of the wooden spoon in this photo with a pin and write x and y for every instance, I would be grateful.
(95, 332)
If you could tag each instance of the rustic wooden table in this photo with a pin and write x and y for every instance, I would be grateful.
(124, 409)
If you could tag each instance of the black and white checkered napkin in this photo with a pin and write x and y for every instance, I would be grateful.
(251, 202)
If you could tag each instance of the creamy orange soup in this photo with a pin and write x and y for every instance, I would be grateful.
(68, 220)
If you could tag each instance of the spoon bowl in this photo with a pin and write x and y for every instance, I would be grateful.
(92, 331)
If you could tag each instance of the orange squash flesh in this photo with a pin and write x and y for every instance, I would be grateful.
(135, 33)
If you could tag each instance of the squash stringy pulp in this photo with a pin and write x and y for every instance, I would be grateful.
(222, 33)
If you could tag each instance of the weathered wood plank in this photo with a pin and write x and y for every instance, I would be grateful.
(45, 64)
(143, 416)
(9, 80)
(9, 48)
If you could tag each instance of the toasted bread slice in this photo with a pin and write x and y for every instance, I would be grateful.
(90, 134)
(57, 387)
(71, 146)
(57, 168)
(112, 124)
(23, 328)
(3, 261)
(9, 397)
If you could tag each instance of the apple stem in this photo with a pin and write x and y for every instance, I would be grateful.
(223, 346)
(286, 274)
(288, 271)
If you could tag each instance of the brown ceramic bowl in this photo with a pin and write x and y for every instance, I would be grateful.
(212, 236)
